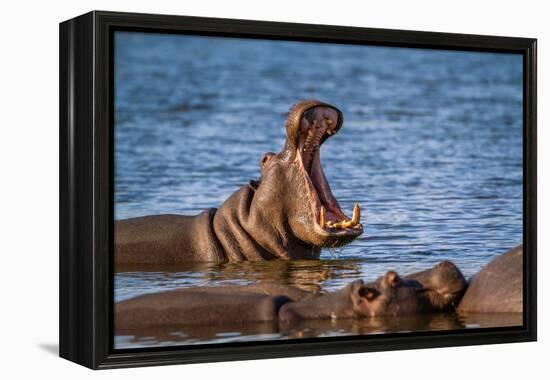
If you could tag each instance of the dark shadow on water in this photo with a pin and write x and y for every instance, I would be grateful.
(52, 348)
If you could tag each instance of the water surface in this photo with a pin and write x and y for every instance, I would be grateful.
(431, 148)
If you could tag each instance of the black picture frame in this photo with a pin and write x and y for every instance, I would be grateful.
(86, 189)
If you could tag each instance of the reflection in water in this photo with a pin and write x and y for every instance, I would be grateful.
(310, 275)
(185, 335)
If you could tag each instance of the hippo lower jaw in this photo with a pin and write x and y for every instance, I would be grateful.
(331, 225)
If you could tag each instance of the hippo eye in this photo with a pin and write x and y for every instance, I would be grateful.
(392, 278)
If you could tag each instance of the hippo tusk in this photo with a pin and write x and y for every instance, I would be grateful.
(356, 214)
(329, 130)
(322, 216)
(354, 219)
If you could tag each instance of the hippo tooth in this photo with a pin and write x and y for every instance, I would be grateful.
(329, 223)
(339, 224)
(356, 214)
(354, 219)
(322, 216)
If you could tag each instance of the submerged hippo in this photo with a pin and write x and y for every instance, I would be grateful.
(434, 290)
(390, 295)
(212, 306)
(290, 213)
(497, 287)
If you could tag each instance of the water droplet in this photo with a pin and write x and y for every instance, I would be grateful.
(335, 252)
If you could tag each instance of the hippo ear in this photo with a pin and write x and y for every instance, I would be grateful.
(392, 279)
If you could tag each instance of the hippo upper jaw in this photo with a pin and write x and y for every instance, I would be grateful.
(310, 124)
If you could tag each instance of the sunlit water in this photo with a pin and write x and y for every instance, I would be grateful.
(431, 148)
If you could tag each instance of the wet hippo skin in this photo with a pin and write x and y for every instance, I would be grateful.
(200, 308)
(390, 295)
(497, 287)
(444, 285)
(289, 213)
(208, 305)
(435, 290)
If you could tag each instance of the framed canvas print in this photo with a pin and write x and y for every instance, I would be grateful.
(236, 189)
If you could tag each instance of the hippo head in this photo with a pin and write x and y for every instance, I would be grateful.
(433, 290)
(388, 295)
(290, 212)
(293, 184)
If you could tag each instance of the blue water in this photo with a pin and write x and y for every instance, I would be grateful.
(431, 147)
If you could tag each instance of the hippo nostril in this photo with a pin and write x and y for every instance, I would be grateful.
(266, 157)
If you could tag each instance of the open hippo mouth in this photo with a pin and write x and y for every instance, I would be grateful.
(315, 125)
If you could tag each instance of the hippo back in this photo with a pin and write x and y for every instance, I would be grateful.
(189, 307)
(498, 287)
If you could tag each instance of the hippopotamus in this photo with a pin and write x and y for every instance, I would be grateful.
(289, 213)
(497, 287)
(389, 295)
(434, 290)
